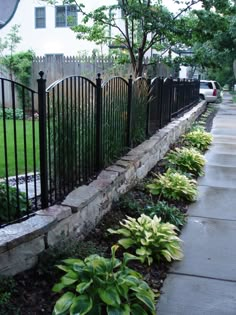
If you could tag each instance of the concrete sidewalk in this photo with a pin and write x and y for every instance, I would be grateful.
(204, 282)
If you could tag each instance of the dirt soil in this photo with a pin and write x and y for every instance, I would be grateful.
(32, 294)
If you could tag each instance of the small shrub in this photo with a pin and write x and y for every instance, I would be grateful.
(11, 213)
(187, 160)
(127, 202)
(151, 239)
(98, 285)
(9, 113)
(167, 213)
(7, 289)
(174, 186)
(67, 247)
(198, 139)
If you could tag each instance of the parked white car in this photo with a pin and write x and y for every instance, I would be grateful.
(210, 91)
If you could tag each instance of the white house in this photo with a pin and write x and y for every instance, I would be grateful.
(45, 28)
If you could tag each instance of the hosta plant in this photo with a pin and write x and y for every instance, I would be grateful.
(98, 285)
(150, 238)
(198, 139)
(167, 213)
(174, 186)
(187, 160)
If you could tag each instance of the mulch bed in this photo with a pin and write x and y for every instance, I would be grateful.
(32, 294)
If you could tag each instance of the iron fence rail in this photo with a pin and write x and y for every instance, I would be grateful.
(82, 126)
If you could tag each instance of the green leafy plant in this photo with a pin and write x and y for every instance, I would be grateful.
(198, 139)
(9, 113)
(98, 285)
(151, 238)
(67, 247)
(7, 289)
(9, 208)
(167, 213)
(128, 202)
(187, 160)
(174, 186)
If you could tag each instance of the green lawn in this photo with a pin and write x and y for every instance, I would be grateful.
(20, 147)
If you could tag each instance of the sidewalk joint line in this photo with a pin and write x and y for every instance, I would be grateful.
(223, 187)
(198, 276)
(211, 218)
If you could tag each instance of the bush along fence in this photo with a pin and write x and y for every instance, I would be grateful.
(64, 135)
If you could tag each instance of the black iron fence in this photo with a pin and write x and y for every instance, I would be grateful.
(19, 152)
(70, 131)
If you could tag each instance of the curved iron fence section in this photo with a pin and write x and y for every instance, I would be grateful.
(156, 114)
(19, 151)
(71, 133)
(65, 135)
(114, 119)
(139, 110)
(185, 94)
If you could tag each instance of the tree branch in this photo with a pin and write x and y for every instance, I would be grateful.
(186, 9)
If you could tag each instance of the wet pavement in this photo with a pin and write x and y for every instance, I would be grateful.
(204, 282)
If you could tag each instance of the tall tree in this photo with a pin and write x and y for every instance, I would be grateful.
(137, 25)
(213, 39)
(8, 46)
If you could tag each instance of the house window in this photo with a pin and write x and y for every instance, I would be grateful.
(40, 17)
(66, 15)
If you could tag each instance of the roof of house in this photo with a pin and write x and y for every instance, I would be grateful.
(7, 11)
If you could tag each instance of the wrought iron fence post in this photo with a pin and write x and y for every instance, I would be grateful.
(184, 93)
(129, 116)
(196, 90)
(148, 107)
(171, 99)
(178, 89)
(99, 122)
(161, 95)
(43, 140)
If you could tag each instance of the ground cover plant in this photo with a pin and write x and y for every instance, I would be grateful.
(33, 295)
(166, 212)
(7, 290)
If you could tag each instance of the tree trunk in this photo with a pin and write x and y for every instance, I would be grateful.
(234, 67)
(139, 65)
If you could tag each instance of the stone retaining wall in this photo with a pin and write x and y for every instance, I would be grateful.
(21, 243)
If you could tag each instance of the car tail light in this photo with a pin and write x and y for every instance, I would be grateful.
(214, 92)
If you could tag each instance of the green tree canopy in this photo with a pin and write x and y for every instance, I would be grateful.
(139, 25)
(213, 40)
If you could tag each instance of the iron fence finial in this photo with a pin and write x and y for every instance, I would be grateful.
(41, 74)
